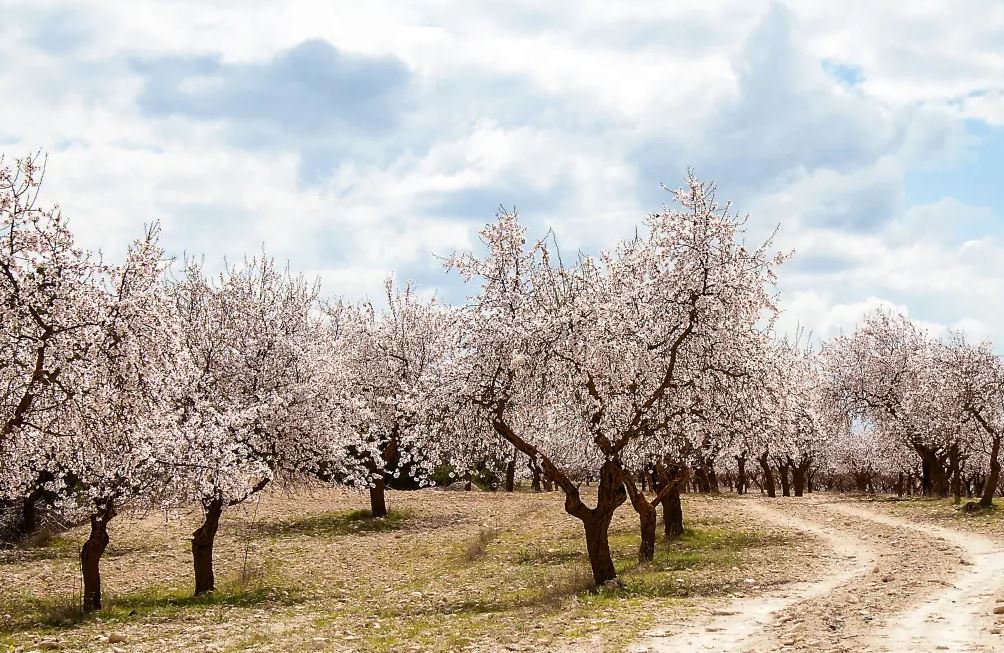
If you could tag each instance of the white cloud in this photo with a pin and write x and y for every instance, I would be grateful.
(573, 112)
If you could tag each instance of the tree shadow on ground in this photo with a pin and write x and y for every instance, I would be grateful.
(63, 611)
(333, 524)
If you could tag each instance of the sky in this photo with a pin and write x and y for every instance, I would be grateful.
(355, 139)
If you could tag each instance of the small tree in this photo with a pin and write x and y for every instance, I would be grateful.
(261, 394)
(397, 356)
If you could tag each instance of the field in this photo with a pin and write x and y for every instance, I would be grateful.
(444, 571)
(476, 571)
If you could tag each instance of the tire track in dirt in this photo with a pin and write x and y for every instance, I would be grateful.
(909, 567)
(958, 617)
(743, 624)
(892, 585)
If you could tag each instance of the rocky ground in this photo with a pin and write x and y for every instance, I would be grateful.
(446, 571)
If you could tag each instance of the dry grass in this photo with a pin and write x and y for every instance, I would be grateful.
(945, 512)
(478, 545)
(445, 571)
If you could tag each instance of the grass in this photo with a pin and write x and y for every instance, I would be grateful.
(526, 577)
(441, 572)
(49, 615)
(478, 545)
(945, 506)
(336, 524)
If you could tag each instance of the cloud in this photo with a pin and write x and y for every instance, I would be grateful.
(824, 318)
(312, 90)
(358, 139)
(786, 119)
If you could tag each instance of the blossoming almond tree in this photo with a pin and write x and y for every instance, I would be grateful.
(118, 415)
(976, 379)
(888, 372)
(260, 393)
(49, 323)
(608, 343)
(398, 356)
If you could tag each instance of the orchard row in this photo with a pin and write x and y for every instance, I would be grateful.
(654, 365)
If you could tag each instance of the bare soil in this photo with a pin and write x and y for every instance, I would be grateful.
(898, 578)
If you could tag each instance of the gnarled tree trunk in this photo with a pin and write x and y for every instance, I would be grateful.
(768, 475)
(993, 478)
(534, 474)
(647, 518)
(29, 514)
(934, 476)
(90, 558)
(596, 521)
(799, 473)
(202, 547)
(664, 483)
(711, 475)
(510, 475)
(955, 473)
(388, 458)
(672, 514)
(782, 474)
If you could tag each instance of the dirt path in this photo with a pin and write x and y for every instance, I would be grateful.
(739, 626)
(890, 585)
(959, 617)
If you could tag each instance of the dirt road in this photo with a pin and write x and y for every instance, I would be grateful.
(891, 584)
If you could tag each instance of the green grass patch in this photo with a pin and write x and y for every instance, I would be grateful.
(152, 604)
(334, 524)
(946, 507)
(704, 547)
(35, 549)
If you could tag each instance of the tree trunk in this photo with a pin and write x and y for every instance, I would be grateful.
(90, 558)
(29, 515)
(610, 494)
(202, 547)
(534, 475)
(672, 514)
(701, 479)
(647, 518)
(378, 504)
(712, 477)
(955, 473)
(935, 479)
(993, 478)
(510, 475)
(768, 475)
(782, 474)
(598, 548)
(798, 473)
(741, 480)
(595, 521)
